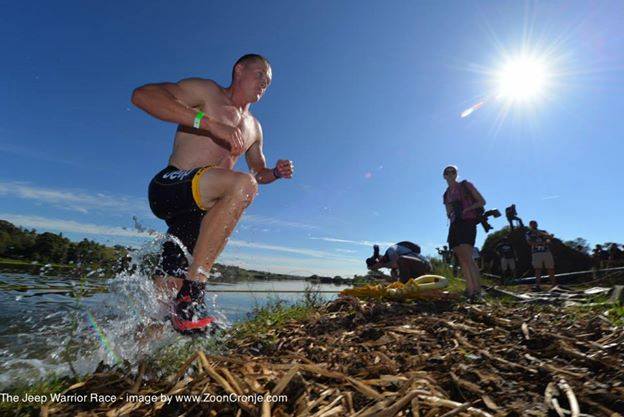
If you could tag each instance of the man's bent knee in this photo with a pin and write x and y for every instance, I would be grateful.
(247, 186)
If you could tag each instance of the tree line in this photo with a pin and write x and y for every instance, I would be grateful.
(28, 245)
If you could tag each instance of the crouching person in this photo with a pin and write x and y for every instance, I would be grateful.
(403, 259)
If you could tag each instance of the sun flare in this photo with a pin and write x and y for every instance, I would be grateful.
(522, 78)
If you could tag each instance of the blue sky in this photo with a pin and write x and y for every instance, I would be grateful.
(365, 100)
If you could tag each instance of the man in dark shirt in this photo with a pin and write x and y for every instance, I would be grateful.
(539, 241)
(508, 257)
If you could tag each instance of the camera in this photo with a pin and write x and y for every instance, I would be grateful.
(373, 259)
(482, 215)
(485, 215)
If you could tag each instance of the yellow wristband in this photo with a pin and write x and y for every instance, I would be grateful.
(197, 122)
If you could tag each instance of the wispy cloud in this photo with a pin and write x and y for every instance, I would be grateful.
(75, 200)
(269, 221)
(288, 249)
(34, 154)
(71, 226)
(550, 197)
(352, 242)
(346, 251)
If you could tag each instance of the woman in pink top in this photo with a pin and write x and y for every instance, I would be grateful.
(463, 204)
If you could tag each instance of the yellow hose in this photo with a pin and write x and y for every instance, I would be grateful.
(424, 287)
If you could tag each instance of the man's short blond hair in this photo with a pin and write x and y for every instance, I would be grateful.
(249, 58)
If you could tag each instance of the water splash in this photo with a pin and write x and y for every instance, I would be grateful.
(102, 337)
(70, 326)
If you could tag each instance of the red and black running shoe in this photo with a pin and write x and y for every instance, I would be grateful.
(189, 315)
(189, 318)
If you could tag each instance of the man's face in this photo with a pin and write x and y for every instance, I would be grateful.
(254, 77)
(533, 225)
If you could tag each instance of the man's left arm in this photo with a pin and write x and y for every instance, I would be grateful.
(257, 163)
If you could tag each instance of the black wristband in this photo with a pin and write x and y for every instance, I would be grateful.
(276, 173)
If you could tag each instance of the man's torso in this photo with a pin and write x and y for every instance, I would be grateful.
(540, 243)
(194, 148)
(505, 250)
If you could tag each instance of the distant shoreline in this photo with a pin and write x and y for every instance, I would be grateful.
(228, 273)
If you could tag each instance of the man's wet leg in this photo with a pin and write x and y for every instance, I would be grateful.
(219, 222)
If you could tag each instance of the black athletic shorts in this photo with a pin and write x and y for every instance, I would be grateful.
(174, 197)
(462, 232)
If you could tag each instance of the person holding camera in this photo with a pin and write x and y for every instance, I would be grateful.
(512, 214)
(403, 259)
(446, 254)
(541, 256)
(464, 205)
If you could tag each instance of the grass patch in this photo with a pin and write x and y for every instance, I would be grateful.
(275, 313)
(615, 313)
(270, 316)
(456, 284)
(599, 305)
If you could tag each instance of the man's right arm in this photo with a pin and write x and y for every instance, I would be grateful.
(172, 102)
(177, 103)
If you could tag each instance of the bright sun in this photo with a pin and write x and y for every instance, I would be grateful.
(522, 78)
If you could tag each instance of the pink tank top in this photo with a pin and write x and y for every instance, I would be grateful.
(461, 192)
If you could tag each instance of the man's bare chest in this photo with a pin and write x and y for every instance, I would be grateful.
(232, 116)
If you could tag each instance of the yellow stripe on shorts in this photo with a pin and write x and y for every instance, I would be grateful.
(195, 186)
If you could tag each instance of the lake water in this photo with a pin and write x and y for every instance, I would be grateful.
(50, 324)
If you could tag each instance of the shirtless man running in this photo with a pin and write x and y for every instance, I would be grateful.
(198, 194)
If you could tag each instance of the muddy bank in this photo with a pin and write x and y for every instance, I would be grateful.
(385, 359)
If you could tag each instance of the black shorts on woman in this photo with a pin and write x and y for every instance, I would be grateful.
(463, 228)
(174, 197)
(462, 232)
